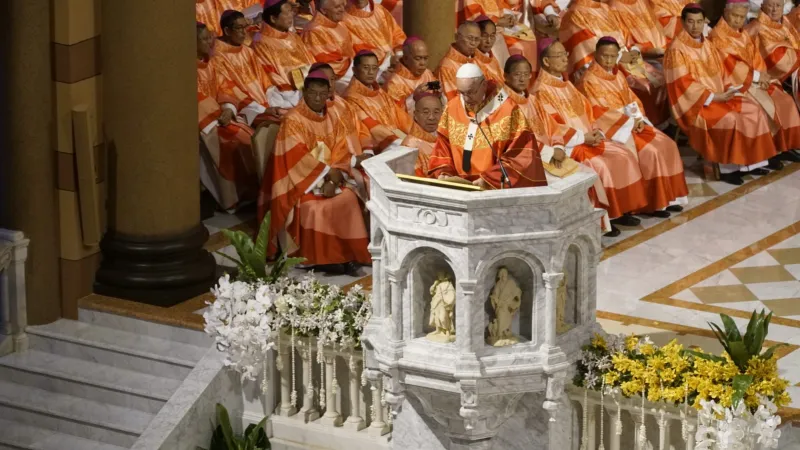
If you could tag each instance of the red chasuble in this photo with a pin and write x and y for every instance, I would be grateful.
(473, 146)
(322, 230)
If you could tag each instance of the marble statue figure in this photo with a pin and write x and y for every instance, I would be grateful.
(443, 303)
(506, 297)
(561, 305)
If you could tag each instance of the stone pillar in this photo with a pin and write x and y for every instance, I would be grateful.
(27, 156)
(434, 22)
(153, 249)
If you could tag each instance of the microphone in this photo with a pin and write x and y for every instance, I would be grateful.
(504, 179)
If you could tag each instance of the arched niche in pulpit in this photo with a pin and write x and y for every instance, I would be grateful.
(511, 271)
(424, 266)
(574, 287)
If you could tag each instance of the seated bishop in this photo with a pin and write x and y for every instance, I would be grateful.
(315, 212)
(238, 63)
(619, 114)
(484, 57)
(585, 22)
(330, 41)
(513, 37)
(484, 137)
(559, 104)
(668, 15)
(428, 111)
(722, 124)
(778, 42)
(410, 74)
(228, 167)
(373, 28)
(743, 65)
(282, 54)
(387, 121)
(462, 51)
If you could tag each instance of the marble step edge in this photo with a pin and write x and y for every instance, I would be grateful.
(43, 331)
(11, 362)
(96, 422)
(143, 326)
(62, 439)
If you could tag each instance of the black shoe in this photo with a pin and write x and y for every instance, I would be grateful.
(675, 208)
(790, 156)
(775, 163)
(659, 214)
(613, 233)
(734, 178)
(758, 172)
(351, 269)
(626, 221)
(330, 269)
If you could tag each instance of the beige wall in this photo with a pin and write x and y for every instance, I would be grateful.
(77, 81)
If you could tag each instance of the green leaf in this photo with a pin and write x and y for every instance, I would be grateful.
(262, 240)
(751, 326)
(257, 436)
(721, 337)
(757, 342)
(225, 423)
(706, 356)
(767, 320)
(218, 440)
(739, 355)
(771, 351)
(731, 330)
(238, 263)
(740, 385)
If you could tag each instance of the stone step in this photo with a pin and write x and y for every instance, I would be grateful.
(89, 380)
(71, 415)
(116, 348)
(18, 436)
(152, 329)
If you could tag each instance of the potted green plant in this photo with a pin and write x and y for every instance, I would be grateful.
(254, 438)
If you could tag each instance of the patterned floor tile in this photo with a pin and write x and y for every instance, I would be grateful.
(724, 294)
(763, 274)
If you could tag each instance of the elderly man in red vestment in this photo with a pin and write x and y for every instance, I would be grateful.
(484, 57)
(722, 124)
(238, 63)
(498, 149)
(282, 54)
(743, 66)
(428, 111)
(410, 74)
(619, 114)
(228, 168)
(779, 43)
(373, 28)
(330, 41)
(468, 38)
(315, 212)
(386, 120)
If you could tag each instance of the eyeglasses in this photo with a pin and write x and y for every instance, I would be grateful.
(470, 39)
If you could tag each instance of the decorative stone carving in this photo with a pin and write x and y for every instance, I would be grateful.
(442, 316)
(5, 255)
(506, 298)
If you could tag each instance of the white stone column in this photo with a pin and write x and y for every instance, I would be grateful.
(378, 427)
(331, 417)
(378, 301)
(355, 421)
(637, 425)
(308, 412)
(551, 283)
(614, 437)
(397, 307)
(470, 318)
(285, 367)
(663, 430)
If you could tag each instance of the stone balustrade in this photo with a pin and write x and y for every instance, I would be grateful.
(13, 312)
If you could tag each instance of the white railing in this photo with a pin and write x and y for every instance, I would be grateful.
(13, 313)
(621, 421)
(329, 389)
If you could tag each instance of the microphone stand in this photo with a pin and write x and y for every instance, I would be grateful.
(503, 174)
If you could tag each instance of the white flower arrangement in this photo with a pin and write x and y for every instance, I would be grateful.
(248, 316)
(735, 428)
